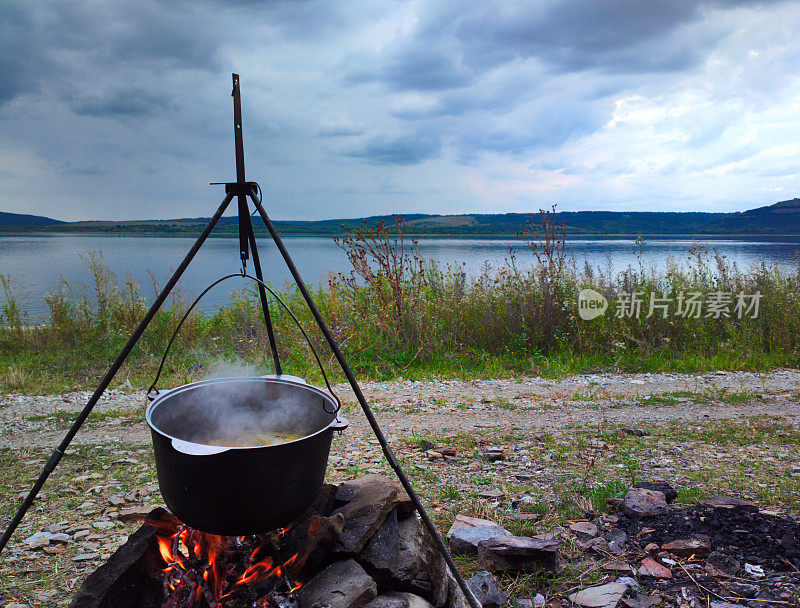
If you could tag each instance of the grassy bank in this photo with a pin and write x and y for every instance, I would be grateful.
(398, 315)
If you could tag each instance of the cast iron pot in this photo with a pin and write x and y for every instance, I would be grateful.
(236, 491)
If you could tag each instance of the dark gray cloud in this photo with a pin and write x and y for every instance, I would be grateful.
(98, 39)
(403, 150)
(416, 68)
(124, 101)
(551, 125)
(581, 34)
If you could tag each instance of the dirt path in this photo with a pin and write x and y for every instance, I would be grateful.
(455, 406)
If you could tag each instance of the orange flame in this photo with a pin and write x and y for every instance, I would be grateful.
(291, 560)
(255, 573)
(297, 586)
(165, 549)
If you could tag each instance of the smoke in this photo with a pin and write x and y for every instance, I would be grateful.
(223, 368)
(224, 410)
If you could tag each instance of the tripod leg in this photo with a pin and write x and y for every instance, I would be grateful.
(387, 450)
(58, 453)
(264, 302)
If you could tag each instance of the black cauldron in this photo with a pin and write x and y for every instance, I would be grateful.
(236, 491)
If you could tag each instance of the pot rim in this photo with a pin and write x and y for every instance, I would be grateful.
(337, 421)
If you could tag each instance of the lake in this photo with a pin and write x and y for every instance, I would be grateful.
(38, 262)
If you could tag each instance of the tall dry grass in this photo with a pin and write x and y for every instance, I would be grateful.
(399, 314)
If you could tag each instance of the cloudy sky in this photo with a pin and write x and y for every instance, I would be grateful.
(122, 109)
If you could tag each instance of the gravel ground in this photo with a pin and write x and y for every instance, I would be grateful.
(734, 433)
(453, 406)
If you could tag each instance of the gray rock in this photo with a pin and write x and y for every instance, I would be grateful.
(584, 529)
(465, 521)
(368, 508)
(725, 502)
(518, 553)
(43, 539)
(464, 541)
(604, 596)
(616, 535)
(85, 557)
(133, 513)
(347, 491)
(628, 582)
(455, 596)
(398, 599)
(340, 585)
(388, 600)
(488, 590)
(635, 432)
(38, 540)
(643, 503)
(699, 546)
(639, 600)
(670, 493)
(523, 602)
(402, 556)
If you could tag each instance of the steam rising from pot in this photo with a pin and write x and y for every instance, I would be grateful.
(229, 411)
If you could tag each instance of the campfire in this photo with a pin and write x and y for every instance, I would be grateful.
(205, 570)
(359, 541)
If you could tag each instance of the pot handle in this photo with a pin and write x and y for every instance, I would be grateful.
(340, 424)
(196, 449)
(154, 391)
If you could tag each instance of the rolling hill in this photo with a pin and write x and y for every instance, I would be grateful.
(782, 218)
(20, 220)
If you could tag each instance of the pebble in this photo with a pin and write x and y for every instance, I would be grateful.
(85, 557)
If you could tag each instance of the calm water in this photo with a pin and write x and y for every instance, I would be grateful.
(36, 263)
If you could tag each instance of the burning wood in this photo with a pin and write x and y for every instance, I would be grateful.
(209, 571)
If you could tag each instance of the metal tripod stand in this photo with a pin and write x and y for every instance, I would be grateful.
(242, 190)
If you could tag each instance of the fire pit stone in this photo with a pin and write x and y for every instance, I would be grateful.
(341, 585)
(398, 599)
(365, 511)
(401, 556)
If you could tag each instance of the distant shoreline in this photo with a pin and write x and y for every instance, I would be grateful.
(779, 219)
(408, 235)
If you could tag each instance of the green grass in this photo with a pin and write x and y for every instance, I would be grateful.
(599, 495)
(690, 495)
(450, 492)
(764, 430)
